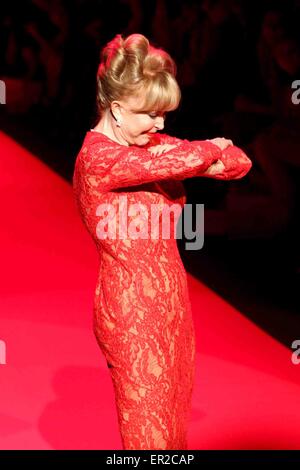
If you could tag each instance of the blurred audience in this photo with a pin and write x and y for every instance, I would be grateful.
(236, 64)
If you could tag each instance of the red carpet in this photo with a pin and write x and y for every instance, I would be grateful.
(55, 388)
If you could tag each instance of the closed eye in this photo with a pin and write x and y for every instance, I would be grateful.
(154, 115)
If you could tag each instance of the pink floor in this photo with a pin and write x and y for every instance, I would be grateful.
(55, 388)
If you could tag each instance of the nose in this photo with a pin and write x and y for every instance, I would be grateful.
(159, 122)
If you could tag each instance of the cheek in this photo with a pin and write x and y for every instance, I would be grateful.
(146, 121)
(144, 124)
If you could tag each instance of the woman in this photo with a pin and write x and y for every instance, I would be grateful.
(142, 315)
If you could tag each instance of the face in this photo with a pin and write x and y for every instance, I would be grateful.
(136, 126)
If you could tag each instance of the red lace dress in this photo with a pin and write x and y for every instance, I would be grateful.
(142, 314)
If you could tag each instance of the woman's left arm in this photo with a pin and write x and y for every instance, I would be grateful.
(233, 162)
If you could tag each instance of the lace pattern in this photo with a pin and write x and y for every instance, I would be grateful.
(142, 313)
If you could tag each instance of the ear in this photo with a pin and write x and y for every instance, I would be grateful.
(116, 109)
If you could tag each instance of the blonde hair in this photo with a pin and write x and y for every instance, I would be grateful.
(133, 67)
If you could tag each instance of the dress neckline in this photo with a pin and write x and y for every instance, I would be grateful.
(105, 137)
(100, 134)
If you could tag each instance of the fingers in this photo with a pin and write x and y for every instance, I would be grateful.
(155, 150)
(221, 142)
(215, 168)
(160, 149)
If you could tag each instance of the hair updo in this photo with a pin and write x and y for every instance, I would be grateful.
(132, 67)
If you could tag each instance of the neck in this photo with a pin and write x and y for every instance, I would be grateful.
(107, 127)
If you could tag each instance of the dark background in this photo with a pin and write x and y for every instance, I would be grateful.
(236, 62)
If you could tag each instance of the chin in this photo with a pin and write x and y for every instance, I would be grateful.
(143, 139)
(139, 140)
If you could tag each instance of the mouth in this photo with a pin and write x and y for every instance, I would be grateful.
(149, 132)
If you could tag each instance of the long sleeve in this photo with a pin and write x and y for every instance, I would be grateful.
(236, 164)
(117, 166)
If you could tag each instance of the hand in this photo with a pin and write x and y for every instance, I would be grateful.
(221, 142)
(159, 149)
(215, 168)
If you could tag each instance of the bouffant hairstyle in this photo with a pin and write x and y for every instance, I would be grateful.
(131, 66)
